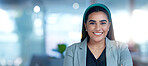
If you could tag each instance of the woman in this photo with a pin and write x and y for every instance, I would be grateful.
(98, 46)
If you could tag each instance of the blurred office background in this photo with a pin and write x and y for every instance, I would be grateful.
(30, 30)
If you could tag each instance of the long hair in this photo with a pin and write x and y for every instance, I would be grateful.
(96, 8)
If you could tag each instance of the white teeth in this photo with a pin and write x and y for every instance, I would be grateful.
(98, 33)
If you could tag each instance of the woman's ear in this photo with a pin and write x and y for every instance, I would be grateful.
(85, 26)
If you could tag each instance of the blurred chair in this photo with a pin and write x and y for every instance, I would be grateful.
(39, 60)
(44, 60)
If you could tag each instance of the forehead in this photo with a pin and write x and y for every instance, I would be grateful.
(97, 15)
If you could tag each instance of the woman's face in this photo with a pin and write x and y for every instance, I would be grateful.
(97, 26)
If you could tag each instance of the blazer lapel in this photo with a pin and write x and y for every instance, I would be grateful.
(82, 53)
(109, 53)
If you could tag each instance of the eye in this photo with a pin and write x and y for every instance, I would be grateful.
(92, 23)
(103, 23)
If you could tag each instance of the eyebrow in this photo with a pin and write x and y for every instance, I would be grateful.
(99, 21)
(103, 21)
(92, 21)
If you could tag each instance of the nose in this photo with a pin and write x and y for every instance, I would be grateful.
(98, 27)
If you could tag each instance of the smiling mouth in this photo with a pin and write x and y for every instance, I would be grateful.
(98, 33)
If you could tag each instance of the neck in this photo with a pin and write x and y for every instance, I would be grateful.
(98, 45)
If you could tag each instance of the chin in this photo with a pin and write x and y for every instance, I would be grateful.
(98, 39)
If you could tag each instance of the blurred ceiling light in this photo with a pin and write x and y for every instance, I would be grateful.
(38, 27)
(38, 23)
(39, 31)
(36, 9)
(75, 5)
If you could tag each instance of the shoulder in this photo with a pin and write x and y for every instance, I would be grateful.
(74, 46)
(118, 44)
(123, 53)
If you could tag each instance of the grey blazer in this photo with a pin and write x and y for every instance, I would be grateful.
(117, 53)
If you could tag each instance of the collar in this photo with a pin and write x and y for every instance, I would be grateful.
(84, 43)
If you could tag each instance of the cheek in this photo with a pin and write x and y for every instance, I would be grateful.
(106, 28)
(90, 27)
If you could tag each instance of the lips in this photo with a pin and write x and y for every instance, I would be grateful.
(98, 33)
